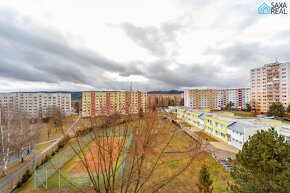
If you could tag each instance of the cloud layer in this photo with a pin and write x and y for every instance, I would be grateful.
(205, 43)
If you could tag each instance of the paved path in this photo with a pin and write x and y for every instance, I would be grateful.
(15, 157)
(32, 161)
(25, 153)
(218, 150)
(49, 141)
(224, 146)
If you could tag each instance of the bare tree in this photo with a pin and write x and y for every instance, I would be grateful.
(8, 134)
(58, 118)
(18, 135)
(77, 107)
(128, 157)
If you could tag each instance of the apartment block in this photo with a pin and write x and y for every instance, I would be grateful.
(228, 128)
(36, 104)
(216, 99)
(269, 84)
(239, 97)
(201, 98)
(108, 102)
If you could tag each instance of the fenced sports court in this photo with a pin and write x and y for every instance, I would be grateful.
(65, 169)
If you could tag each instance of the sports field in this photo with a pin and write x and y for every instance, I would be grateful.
(172, 160)
(99, 158)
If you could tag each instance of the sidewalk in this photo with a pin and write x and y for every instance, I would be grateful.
(15, 158)
(26, 153)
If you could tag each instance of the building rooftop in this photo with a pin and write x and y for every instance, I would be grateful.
(239, 127)
(247, 121)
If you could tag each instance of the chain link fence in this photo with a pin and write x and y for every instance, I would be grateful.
(52, 166)
(57, 172)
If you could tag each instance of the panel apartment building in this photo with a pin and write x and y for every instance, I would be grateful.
(270, 83)
(36, 104)
(108, 102)
(216, 99)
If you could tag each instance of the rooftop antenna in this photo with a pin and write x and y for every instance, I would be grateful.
(131, 86)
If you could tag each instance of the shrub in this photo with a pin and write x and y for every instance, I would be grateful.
(62, 142)
(24, 178)
(46, 158)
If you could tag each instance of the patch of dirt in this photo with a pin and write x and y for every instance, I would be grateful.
(101, 157)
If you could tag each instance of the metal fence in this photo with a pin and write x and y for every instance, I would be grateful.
(53, 165)
(57, 172)
(9, 184)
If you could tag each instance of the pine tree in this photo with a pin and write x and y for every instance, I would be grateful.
(204, 180)
(263, 165)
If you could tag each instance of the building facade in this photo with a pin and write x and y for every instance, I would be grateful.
(108, 102)
(269, 84)
(227, 128)
(216, 99)
(36, 104)
(201, 98)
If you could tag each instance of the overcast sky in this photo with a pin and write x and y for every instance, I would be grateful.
(156, 44)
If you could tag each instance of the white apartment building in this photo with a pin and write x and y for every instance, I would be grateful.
(239, 97)
(270, 83)
(36, 104)
(216, 98)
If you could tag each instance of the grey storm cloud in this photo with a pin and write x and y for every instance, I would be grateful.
(192, 75)
(152, 38)
(30, 52)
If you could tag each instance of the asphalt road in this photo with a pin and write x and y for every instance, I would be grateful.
(30, 162)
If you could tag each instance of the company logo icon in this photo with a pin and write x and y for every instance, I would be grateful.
(273, 8)
(264, 9)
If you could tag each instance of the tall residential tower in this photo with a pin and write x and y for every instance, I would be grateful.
(270, 83)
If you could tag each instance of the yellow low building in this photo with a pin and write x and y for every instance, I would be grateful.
(216, 127)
